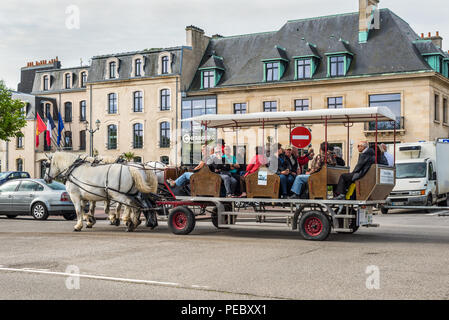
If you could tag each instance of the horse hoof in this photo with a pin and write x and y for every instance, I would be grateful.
(89, 227)
(76, 230)
(117, 223)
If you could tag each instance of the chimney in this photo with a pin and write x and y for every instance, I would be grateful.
(436, 39)
(366, 10)
(195, 37)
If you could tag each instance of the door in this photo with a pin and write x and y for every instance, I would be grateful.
(6, 193)
(432, 181)
(24, 195)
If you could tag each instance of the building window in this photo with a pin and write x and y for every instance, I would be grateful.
(337, 66)
(112, 136)
(445, 115)
(239, 108)
(192, 107)
(137, 159)
(138, 136)
(272, 71)
(19, 165)
(208, 79)
(436, 108)
(112, 103)
(112, 70)
(270, 106)
(303, 68)
(393, 102)
(68, 112)
(164, 65)
(165, 99)
(335, 103)
(19, 142)
(83, 110)
(46, 83)
(83, 79)
(68, 140)
(138, 101)
(68, 79)
(138, 67)
(83, 140)
(165, 160)
(301, 104)
(164, 135)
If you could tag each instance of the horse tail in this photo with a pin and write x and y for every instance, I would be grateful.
(140, 180)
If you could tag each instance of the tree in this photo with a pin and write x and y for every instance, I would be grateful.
(12, 117)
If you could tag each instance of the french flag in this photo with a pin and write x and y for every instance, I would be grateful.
(50, 126)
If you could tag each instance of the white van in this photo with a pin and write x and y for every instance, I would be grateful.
(422, 174)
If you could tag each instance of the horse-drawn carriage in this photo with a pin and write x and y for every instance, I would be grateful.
(314, 217)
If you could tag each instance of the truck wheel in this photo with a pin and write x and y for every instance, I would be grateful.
(314, 225)
(39, 211)
(384, 210)
(181, 220)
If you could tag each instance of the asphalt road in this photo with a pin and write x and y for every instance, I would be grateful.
(406, 258)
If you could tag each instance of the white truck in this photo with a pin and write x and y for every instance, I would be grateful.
(422, 175)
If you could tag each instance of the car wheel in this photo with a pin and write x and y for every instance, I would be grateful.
(39, 211)
(69, 216)
(11, 216)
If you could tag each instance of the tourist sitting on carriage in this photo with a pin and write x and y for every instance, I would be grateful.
(303, 160)
(338, 157)
(184, 179)
(317, 163)
(217, 163)
(366, 159)
(283, 168)
(234, 168)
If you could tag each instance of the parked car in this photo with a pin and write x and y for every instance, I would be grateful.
(10, 175)
(35, 197)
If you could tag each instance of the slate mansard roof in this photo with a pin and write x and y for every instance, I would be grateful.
(57, 81)
(390, 49)
(151, 63)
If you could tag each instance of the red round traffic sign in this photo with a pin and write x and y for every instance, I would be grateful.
(300, 137)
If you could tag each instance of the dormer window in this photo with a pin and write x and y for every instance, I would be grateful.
(272, 71)
(306, 61)
(68, 80)
(337, 66)
(138, 67)
(303, 68)
(208, 79)
(274, 67)
(83, 79)
(112, 70)
(46, 81)
(339, 58)
(164, 65)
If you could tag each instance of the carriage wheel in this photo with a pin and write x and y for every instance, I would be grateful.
(314, 225)
(181, 220)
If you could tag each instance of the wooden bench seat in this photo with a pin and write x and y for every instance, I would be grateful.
(256, 190)
(376, 184)
(319, 181)
(205, 183)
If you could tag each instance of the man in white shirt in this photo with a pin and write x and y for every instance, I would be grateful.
(387, 155)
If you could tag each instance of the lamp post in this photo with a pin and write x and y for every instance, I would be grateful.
(91, 131)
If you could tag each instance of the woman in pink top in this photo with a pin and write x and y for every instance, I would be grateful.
(258, 160)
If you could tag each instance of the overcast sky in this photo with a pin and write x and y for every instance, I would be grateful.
(33, 30)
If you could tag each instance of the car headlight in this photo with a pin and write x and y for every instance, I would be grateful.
(418, 193)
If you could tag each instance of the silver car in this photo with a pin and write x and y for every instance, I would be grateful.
(35, 197)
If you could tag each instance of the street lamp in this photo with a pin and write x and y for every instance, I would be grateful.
(91, 131)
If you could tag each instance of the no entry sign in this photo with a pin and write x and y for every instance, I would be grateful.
(300, 137)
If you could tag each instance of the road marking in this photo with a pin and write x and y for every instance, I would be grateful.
(137, 281)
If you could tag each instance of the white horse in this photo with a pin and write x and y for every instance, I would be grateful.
(158, 168)
(97, 183)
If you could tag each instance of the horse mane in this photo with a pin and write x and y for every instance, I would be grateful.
(64, 159)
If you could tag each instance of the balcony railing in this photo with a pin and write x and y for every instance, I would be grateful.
(385, 125)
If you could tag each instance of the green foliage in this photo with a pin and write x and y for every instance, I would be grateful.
(12, 118)
(129, 156)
